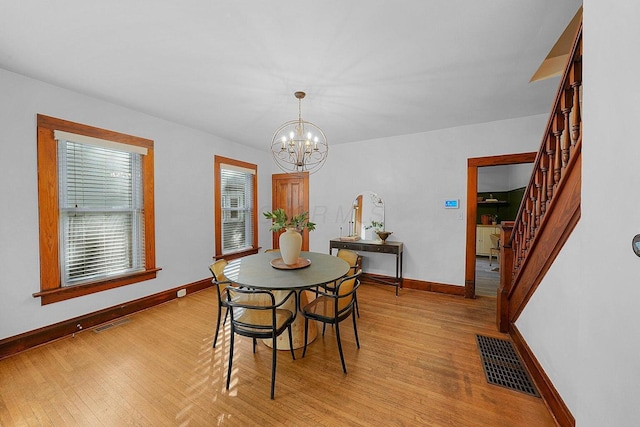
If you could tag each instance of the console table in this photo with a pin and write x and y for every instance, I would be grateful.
(394, 248)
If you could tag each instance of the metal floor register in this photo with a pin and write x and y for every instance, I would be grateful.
(503, 367)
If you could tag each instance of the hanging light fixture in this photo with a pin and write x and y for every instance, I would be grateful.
(298, 145)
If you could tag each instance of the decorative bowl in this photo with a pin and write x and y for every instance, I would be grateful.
(383, 235)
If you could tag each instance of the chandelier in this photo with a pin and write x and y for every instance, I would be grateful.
(298, 145)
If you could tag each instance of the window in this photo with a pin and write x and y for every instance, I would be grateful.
(235, 207)
(95, 190)
(100, 203)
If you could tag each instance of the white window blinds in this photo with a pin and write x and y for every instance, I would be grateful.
(101, 212)
(237, 208)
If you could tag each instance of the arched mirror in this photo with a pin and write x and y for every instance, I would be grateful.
(367, 215)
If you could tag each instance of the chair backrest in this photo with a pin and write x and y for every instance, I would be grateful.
(495, 241)
(351, 257)
(346, 290)
(219, 279)
(248, 298)
(217, 269)
(255, 309)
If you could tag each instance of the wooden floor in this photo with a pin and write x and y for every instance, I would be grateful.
(487, 277)
(418, 365)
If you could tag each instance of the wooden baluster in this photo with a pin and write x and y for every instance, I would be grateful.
(531, 220)
(520, 245)
(527, 228)
(525, 221)
(576, 115)
(566, 134)
(551, 154)
(523, 231)
(532, 213)
(514, 247)
(537, 182)
(576, 118)
(543, 187)
(521, 240)
(557, 161)
(538, 185)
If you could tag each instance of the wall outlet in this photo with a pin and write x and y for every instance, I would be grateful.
(181, 293)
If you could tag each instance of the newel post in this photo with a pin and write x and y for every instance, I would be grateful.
(506, 276)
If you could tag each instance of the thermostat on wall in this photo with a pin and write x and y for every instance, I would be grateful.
(452, 204)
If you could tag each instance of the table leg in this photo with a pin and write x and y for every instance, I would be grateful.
(297, 327)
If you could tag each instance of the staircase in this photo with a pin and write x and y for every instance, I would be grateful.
(549, 211)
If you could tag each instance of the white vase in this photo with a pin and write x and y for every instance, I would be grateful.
(290, 246)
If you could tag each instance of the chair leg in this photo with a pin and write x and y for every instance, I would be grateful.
(355, 330)
(355, 302)
(215, 338)
(230, 358)
(306, 334)
(273, 365)
(324, 325)
(344, 367)
(293, 354)
(254, 346)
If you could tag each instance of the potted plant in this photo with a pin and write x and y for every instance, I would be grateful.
(290, 240)
(376, 225)
(282, 221)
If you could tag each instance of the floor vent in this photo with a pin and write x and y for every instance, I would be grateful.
(503, 367)
(113, 324)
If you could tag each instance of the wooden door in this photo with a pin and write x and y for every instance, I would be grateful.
(290, 191)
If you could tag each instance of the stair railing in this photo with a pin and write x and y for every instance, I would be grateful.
(550, 207)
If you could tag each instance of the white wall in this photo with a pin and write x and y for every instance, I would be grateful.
(591, 298)
(550, 320)
(183, 199)
(415, 174)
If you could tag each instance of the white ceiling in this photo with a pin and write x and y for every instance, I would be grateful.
(371, 68)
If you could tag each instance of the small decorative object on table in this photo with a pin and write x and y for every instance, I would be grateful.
(291, 240)
(383, 235)
(280, 264)
(350, 238)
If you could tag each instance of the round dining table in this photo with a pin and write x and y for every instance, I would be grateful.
(315, 269)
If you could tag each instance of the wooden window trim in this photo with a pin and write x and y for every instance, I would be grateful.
(50, 284)
(217, 162)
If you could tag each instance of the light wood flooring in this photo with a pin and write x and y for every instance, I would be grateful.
(418, 365)
(487, 277)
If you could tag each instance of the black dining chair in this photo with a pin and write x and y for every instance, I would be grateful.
(332, 307)
(354, 259)
(220, 282)
(255, 314)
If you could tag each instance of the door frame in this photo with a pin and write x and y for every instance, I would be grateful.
(472, 208)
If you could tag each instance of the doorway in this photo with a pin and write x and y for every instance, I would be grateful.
(472, 209)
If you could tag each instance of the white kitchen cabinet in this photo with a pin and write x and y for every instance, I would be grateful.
(483, 239)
